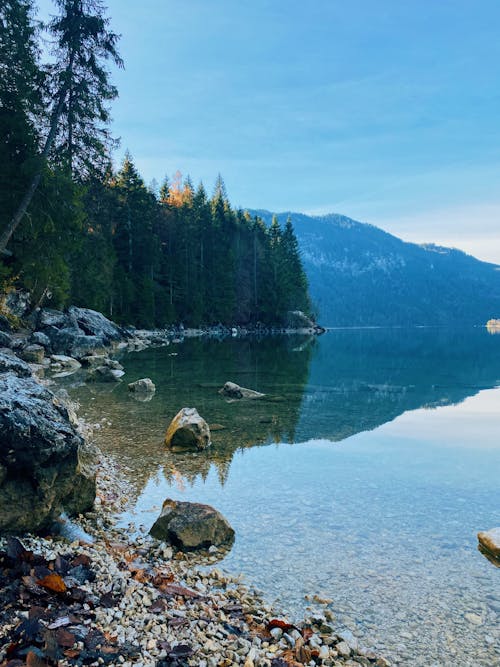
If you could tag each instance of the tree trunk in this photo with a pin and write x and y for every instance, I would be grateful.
(35, 181)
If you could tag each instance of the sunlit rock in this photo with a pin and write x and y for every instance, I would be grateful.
(188, 431)
(191, 526)
(489, 542)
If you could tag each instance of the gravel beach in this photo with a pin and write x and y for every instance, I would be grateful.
(118, 599)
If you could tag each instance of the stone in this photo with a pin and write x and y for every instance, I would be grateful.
(475, 619)
(83, 345)
(49, 317)
(73, 341)
(10, 363)
(94, 360)
(144, 385)
(490, 541)
(18, 303)
(66, 362)
(233, 390)
(33, 354)
(188, 431)
(95, 324)
(191, 526)
(105, 374)
(343, 649)
(39, 338)
(39, 457)
(5, 339)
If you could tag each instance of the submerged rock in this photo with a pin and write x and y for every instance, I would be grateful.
(233, 390)
(105, 374)
(188, 430)
(39, 457)
(489, 540)
(144, 386)
(191, 526)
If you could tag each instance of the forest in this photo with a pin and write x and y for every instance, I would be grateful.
(75, 229)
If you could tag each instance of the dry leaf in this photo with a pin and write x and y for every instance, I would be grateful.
(65, 638)
(32, 660)
(175, 589)
(53, 582)
(282, 625)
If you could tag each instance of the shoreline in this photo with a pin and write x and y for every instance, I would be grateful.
(138, 601)
(154, 606)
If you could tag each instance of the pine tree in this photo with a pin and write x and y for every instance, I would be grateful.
(293, 280)
(83, 44)
(20, 104)
(77, 135)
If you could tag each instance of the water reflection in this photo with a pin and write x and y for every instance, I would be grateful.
(362, 379)
(192, 377)
(384, 524)
(346, 382)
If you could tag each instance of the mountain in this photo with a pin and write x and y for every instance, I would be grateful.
(360, 275)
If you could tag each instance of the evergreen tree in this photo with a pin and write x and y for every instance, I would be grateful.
(293, 279)
(20, 104)
(76, 128)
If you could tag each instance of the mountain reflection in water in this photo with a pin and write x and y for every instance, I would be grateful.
(384, 523)
(333, 387)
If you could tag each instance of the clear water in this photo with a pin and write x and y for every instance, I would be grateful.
(394, 467)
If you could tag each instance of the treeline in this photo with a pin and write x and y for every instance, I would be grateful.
(74, 230)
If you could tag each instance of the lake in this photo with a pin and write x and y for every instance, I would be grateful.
(363, 476)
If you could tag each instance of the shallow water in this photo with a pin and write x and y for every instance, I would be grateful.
(395, 466)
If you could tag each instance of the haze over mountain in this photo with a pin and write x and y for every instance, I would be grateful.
(360, 275)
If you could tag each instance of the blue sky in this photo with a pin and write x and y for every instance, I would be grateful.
(387, 111)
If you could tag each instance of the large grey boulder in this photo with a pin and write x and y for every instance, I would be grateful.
(188, 431)
(48, 317)
(233, 390)
(39, 457)
(10, 363)
(95, 324)
(191, 526)
(79, 332)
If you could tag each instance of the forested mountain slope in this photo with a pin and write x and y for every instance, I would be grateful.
(360, 275)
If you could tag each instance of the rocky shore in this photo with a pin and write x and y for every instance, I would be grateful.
(117, 600)
(110, 597)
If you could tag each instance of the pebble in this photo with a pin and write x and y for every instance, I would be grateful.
(475, 619)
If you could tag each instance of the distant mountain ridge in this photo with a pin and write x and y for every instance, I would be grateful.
(360, 275)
